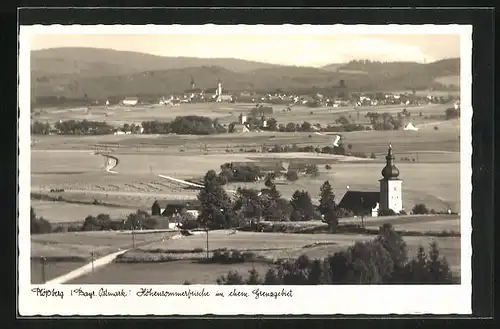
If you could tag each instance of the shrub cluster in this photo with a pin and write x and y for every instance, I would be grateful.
(232, 256)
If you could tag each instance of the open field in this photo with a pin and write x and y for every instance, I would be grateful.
(415, 223)
(62, 212)
(435, 184)
(68, 251)
(52, 269)
(166, 273)
(227, 113)
(431, 175)
(272, 246)
(80, 244)
(452, 224)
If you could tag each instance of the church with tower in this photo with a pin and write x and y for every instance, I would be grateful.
(389, 196)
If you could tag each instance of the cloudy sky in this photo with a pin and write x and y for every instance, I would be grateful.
(297, 49)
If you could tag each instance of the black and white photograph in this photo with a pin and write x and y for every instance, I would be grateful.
(210, 159)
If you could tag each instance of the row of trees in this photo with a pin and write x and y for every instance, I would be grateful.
(193, 125)
(72, 127)
(381, 261)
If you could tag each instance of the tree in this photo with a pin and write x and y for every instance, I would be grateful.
(253, 278)
(232, 278)
(39, 128)
(327, 206)
(420, 209)
(306, 126)
(272, 124)
(437, 266)
(394, 244)
(302, 205)
(216, 207)
(248, 204)
(39, 225)
(290, 127)
(269, 181)
(271, 277)
(292, 175)
(370, 263)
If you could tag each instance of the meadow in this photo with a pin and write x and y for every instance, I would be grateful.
(269, 246)
(61, 212)
(64, 252)
(176, 272)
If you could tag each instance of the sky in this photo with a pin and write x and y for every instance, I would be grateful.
(292, 49)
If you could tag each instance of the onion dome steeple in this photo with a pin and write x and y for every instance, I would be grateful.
(390, 171)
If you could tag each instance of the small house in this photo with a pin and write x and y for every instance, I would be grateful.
(130, 101)
(172, 208)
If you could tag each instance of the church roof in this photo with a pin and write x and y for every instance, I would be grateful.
(359, 201)
(390, 171)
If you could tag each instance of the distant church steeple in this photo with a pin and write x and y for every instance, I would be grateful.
(193, 85)
(219, 89)
(391, 194)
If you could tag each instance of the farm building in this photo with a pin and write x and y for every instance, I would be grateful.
(360, 202)
(389, 196)
(170, 208)
(410, 126)
(240, 128)
(130, 101)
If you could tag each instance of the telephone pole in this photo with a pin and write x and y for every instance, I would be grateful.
(43, 261)
(92, 255)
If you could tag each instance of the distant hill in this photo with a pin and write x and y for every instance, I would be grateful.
(91, 61)
(102, 73)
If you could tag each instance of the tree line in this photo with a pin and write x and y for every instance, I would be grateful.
(383, 260)
(183, 125)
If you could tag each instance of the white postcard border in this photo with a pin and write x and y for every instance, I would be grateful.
(313, 300)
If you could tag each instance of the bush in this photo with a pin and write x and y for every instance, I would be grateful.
(232, 278)
(386, 212)
(232, 257)
(312, 170)
(292, 175)
(420, 209)
(372, 156)
(403, 212)
(328, 167)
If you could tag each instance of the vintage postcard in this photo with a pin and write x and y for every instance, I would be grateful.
(191, 170)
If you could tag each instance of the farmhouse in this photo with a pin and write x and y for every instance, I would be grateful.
(240, 128)
(389, 196)
(130, 101)
(170, 208)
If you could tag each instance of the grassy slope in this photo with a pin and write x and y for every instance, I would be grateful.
(71, 72)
